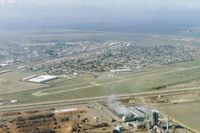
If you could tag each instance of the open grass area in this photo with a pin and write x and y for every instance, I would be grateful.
(186, 113)
(131, 84)
(196, 62)
(11, 82)
(87, 86)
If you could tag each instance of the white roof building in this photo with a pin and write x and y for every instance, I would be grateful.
(3, 65)
(121, 70)
(65, 110)
(43, 78)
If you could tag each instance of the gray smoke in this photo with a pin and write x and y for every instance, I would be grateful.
(117, 106)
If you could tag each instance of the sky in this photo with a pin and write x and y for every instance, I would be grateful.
(60, 12)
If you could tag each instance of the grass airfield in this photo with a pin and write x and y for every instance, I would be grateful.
(86, 86)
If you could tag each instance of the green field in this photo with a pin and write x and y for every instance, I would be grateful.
(87, 86)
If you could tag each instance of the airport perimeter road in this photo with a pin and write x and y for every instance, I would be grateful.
(54, 104)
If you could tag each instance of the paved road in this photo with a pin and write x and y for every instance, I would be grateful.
(53, 104)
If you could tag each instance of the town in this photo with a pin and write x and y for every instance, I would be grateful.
(92, 56)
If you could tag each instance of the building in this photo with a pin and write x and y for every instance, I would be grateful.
(141, 113)
(5, 71)
(21, 67)
(42, 78)
(66, 110)
(3, 65)
(2, 102)
(121, 70)
(29, 77)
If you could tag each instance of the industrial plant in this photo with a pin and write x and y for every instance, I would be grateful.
(96, 116)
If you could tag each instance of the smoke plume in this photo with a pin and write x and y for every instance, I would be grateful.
(117, 106)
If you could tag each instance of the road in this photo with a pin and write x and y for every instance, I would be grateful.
(53, 104)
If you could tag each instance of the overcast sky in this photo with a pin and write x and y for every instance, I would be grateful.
(70, 11)
(189, 4)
